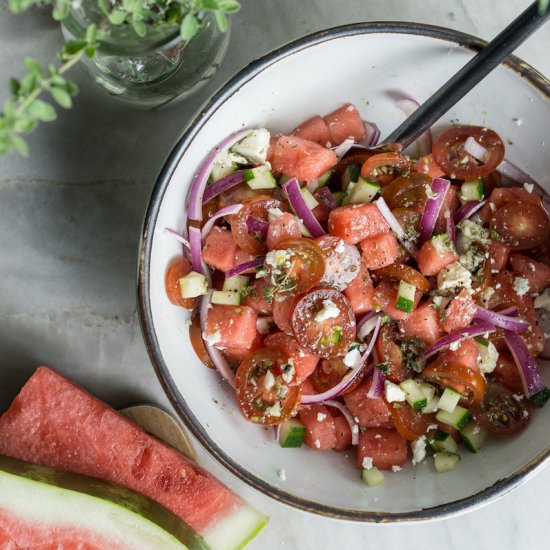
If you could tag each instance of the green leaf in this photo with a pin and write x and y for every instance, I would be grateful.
(91, 34)
(58, 80)
(210, 4)
(15, 86)
(16, 6)
(221, 19)
(42, 111)
(72, 47)
(117, 17)
(28, 84)
(189, 27)
(139, 27)
(90, 51)
(103, 6)
(60, 9)
(20, 145)
(62, 97)
(34, 67)
(24, 124)
(229, 6)
(71, 87)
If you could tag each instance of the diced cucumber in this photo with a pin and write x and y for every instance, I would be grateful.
(449, 400)
(472, 190)
(474, 437)
(445, 461)
(442, 243)
(338, 197)
(260, 178)
(237, 283)
(351, 173)
(227, 298)
(310, 200)
(541, 397)
(442, 441)
(405, 297)
(292, 433)
(360, 192)
(457, 419)
(431, 406)
(226, 165)
(372, 477)
(254, 146)
(192, 285)
(321, 181)
(427, 389)
(481, 341)
(414, 397)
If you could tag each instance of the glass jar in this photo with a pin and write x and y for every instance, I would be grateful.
(152, 71)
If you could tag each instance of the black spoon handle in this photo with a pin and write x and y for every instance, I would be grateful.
(473, 72)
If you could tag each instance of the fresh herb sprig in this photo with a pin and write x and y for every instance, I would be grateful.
(24, 109)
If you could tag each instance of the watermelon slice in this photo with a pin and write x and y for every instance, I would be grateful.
(41, 505)
(54, 422)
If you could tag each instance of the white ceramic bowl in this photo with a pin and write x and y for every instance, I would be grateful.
(365, 64)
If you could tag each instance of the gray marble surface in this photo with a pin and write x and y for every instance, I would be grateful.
(70, 218)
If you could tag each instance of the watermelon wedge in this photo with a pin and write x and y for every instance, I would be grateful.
(55, 423)
(41, 505)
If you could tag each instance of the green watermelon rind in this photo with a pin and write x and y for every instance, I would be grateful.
(154, 516)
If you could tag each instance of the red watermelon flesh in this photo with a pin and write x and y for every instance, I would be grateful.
(55, 423)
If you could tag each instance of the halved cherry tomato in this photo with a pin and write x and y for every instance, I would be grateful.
(326, 336)
(409, 218)
(384, 167)
(398, 272)
(457, 376)
(257, 208)
(239, 194)
(521, 225)
(448, 152)
(303, 269)
(330, 372)
(500, 413)
(407, 191)
(195, 336)
(389, 353)
(176, 270)
(262, 402)
(409, 422)
(358, 157)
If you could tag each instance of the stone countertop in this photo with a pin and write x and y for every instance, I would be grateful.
(70, 220)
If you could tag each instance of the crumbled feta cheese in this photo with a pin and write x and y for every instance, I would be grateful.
(518, 396)
(528, 187)
(393, 392)
(282, 474)
(521, 286)
(254, 146)
(321, 417)
(340, 247)
(226, 165)
(473, 232)
(378, 436)
(419, 450)
(396, 468)
(454, 345)
(367, 463)
(276, 258)
(268, 380)
(328, 311)
(352, 358)
(213, 339)
(543, 300)
(453, 277)
(356, 419)
(317, 444)
(355, 429)
(273, 214)
(525, 413)
(275, 410)
(288, 371)
(488, 357)
(429, 192)
(472, 259)
(486, 295)
(441, 301)
(518, 121)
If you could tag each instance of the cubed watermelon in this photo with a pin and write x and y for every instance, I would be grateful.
(386, 448)
(301, 159)
(499, 254)
(466, 354)
(423, 324)
(303, 360)
(238, 355)
(431, 261)
(320, 427)
(536, 273)
(459, 313)
(345, 123)
(314, 129)
(503, 195)
(219, 249)
(343, 433)
(283, 227)
(427, 165)
(256, 298)
(231, 326)
(368, 412)
(379, 251)
(356, 222)
(55, 423)
(360, 292)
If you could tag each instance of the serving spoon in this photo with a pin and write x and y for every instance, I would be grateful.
(463, 81)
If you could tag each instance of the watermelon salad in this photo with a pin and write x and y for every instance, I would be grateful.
(367, 300)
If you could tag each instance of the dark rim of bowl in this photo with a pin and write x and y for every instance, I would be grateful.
(485, 496)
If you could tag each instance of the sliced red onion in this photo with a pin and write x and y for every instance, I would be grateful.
(223, 184)
(347, 415)
(377, 384)
(257, 225)
(474, 330)
(472, 147)
(297, 202)
(468, 210)
(424, 142)
(227, 211)
(527, 366)
(215, 354)
(432, 209)
(500, 319)
(514, 173)
(325, 197)
(195, 242)
(366, 324)
(263, 324)
(246, 266)
(196, 193)
(395, 226)
(372, 134)
(178, 237)
(343, 148)
(450, 225)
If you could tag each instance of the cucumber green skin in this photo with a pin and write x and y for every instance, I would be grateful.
(459, 423)
(112, 492)
(294, 438)
(404, 304)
